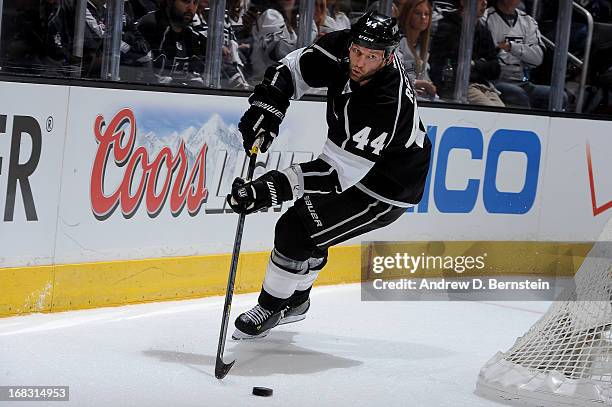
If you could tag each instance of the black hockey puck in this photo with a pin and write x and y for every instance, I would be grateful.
(262, 391)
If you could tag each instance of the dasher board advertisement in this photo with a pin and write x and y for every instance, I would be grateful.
(32, 139)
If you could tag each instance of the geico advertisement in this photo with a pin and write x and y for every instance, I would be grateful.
(32, 131)
(485, 180)
(492, 164)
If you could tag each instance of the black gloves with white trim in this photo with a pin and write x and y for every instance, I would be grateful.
(266, 191)
(269, 103)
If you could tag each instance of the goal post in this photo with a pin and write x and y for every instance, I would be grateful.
(565, 358)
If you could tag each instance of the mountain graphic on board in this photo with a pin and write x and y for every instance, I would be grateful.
(215, 133)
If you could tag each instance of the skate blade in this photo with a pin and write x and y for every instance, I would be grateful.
(293, 318)
(238, 335)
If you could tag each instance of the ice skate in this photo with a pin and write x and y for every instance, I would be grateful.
(294, 313)
(255, 323)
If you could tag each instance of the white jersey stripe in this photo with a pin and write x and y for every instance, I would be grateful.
(346, 123)
(357, 227)
(317, 174)
(309, 191)
(346, 220)
(325, 52)
(399, 101)
(373, 194)
(275, 77)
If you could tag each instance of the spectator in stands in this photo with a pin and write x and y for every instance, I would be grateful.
(135, 55)
(60, 33)
(274, 33)
(335, 20)
(232, 75)
(599, 93)
(320, 12)
(415, 23)
(235, 11)
(484, 65)
(95, 31)
(440, 8)
(178, 51)
(37, 38)
(520, 48)
(601, 11)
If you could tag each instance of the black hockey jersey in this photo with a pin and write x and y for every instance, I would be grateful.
(376, 140)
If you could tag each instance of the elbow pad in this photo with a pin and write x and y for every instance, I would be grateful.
(278, 81)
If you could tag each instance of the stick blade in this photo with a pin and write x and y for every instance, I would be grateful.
(222, 369)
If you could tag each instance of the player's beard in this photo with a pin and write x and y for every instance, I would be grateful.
(180, 19)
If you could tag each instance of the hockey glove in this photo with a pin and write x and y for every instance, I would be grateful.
(269, 102)
(268, 190)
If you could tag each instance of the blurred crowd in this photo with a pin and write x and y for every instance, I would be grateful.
(162, 41)
(165, 42)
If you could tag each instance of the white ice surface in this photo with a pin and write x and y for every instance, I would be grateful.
(346, 353)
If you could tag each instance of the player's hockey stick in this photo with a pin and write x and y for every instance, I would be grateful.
(222, 368)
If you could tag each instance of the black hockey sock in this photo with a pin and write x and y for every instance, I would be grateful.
(270, 302)
(299, 297)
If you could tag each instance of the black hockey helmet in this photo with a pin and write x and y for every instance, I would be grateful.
(376, 31)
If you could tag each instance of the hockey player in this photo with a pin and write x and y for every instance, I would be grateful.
(373, 165)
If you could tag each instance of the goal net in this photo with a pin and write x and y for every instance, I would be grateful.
(565, 359)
